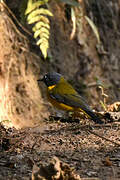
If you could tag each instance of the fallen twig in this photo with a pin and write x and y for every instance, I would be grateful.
(102, 137)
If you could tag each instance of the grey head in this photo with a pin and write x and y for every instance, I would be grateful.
(51, 78)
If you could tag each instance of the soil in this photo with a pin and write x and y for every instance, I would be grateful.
(93, 150)
(73, 143)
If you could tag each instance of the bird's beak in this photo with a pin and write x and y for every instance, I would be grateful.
(41, 79)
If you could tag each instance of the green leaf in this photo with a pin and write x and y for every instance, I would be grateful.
(38, 12)
(40, 41)
(44, 47)
(39, 18)
(40, 24)
(40, 32)
(31, 6)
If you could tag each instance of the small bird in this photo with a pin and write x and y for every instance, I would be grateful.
(63, 96)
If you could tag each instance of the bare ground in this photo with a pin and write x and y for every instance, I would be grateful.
(73, 143)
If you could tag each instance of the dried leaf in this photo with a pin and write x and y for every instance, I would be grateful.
(94, 28)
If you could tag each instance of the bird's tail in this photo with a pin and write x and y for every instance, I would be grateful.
(94, 117)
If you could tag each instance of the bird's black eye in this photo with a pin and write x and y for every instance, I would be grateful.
(45, 77)
(46, 80)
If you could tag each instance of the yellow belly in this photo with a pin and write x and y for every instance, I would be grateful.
(64, 107)
(61, 106)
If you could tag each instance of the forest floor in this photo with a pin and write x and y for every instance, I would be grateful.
(76, 144)
(92, 150)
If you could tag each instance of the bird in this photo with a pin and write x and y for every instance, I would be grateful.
(63, 96)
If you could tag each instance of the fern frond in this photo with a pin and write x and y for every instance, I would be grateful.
(39, 16)
(40, 41)
(44, 35)
(33, 5)
(43, 48)
(38, 12)
(41, 31)
(39, 25)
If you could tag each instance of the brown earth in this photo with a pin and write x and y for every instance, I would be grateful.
(85, 67)
(73, 143)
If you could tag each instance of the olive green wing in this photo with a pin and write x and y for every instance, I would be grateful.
(76, 101)
(73, 100)
(66, 94)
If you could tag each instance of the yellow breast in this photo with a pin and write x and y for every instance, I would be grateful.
(57, 104)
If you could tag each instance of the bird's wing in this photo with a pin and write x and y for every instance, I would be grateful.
(74, 100)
